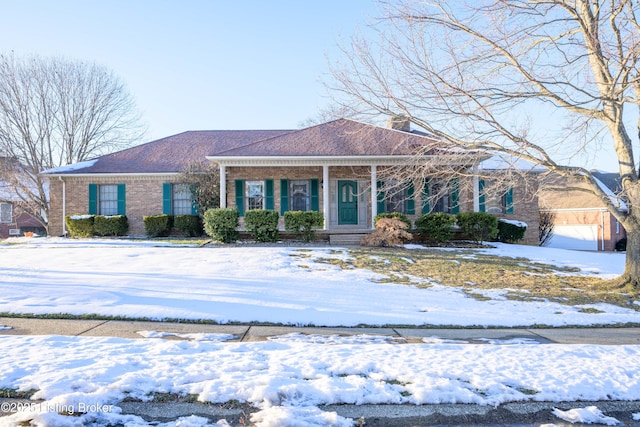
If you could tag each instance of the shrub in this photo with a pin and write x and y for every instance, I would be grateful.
(511, 231)
(478, 226)
(262, 224)
(303, 223)
(388, 232)
(80, 225)
(222, 224)
(437, 226)
(188, 225)
(113, 225)
(157, 225)
(399, 215)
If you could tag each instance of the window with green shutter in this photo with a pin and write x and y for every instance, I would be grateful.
(284, 196)
(455, 196)
(380, 197)
(425, 196)
(409, 202)
(482, 202)
(315, 195)
(93, 199)
(239, 183)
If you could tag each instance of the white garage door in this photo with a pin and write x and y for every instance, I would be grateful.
(577, 237)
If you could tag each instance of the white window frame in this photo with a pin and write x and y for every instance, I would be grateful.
(107, 205)
(181, 199)
(250, 194)
(307, 201)
(6, 212)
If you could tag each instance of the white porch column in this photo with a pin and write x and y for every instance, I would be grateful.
(325, 195)
(374, 195)
(223, 186)
(476, 189)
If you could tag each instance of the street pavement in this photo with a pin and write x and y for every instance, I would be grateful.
(512, 414)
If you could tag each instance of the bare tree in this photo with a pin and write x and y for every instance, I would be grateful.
(203, 179)
(55, 112)
(496, 75)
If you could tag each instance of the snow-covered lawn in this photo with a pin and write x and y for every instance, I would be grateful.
(280, 285)
(286, 378)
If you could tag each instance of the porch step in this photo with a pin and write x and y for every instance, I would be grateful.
(345, 239)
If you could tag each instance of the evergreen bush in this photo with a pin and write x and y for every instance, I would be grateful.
(80, 225)
(478, 226)
(437, 226)
(112, 225)
(511, 232)
(262, 224)
(157, 225)
(303, 223)
(188, 225)
(222, 224)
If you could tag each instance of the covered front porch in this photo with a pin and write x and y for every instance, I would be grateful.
(344, 187)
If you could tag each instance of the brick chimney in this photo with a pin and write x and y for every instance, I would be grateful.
(399, 122)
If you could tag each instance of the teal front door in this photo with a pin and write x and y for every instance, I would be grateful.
(347, 202)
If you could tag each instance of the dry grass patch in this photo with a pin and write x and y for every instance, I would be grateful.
(473, 271)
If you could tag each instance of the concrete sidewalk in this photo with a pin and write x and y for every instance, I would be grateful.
(246, 333)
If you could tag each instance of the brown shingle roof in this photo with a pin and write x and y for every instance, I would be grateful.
(338, 138)
(170, 154)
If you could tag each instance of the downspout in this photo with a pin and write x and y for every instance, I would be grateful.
(602, 223)
(326, 206)
(64, 205)
(374, 195)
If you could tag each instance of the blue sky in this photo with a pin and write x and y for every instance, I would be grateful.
(245, 64)
(197, 64)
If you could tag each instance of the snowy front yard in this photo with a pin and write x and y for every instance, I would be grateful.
(279, 285)
(288, 377)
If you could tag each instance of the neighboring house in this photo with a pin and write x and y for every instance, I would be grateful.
(15, 218)
(334, 168)
(581, 220)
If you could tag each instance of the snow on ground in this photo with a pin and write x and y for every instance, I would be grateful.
(287, 377)
(588, 415)
(266, 284)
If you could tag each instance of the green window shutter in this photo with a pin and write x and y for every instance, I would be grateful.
(425, 195)
(240, 196)
(315, 195)
(166, 198)
(482, 202)
(122, 198)
(409, 201)
(268, 197)
(455, 196)
(509, 201)
(380, 198)
(195, 209)
(284, 196)
(93, 199)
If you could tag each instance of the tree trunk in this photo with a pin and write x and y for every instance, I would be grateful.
(631, 275)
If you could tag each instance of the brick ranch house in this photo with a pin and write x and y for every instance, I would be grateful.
(334, 168)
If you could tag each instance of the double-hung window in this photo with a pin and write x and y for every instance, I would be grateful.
(254, 195)
(493, 201)
(181, 200)
(6, 212)
(299, 195)
(396, 198)
(108, 199)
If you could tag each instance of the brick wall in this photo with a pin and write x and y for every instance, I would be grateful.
(143, 197)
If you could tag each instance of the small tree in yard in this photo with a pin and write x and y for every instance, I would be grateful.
(543, 81)
(203, 178)
(388, 232)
